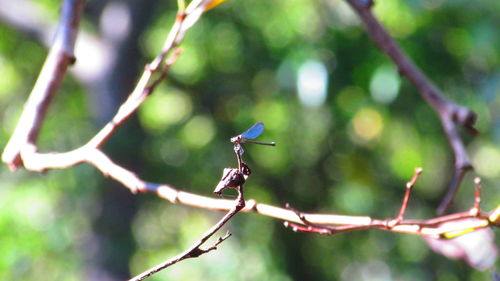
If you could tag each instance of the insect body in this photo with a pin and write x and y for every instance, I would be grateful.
(251, 134)
(236, 177)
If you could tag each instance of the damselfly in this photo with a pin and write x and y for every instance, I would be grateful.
(251, 134)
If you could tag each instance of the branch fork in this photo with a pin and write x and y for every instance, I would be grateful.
(449, 112)
(448, 226)
(22, 149)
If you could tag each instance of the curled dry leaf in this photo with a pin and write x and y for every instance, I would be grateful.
(477, 248)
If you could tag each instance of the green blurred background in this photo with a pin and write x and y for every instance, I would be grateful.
(345, 146)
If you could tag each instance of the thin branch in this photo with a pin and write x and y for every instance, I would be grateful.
(409, 186)
(441, 227)
(184, 20)
(25, 150)
(449, 112)
(135, 99)
(22, 149)
(185, 255)
(431, 227)
(50, 78)
(477, 197)
(336, 223)
(195, 250)
(61, 55)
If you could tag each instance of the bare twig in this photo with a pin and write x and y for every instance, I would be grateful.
(440, 227)
(449, 112)
(190, 253)
(22, 148)
(477, 197)
(135, 99)
(47, 84)
(314, 222)
(184, 20)
(195, 250)
(335, 223)
(25, 150)
(409, 186)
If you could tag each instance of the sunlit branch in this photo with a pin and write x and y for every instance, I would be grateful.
(319, 223)
(440, 227)
(61, 55)
(59, 58)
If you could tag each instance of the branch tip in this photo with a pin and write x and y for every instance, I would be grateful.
(476, 209)
(416, 175)
(406, 198)
(477, 182)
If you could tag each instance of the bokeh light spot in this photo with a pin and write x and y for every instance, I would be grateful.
(412, 248)
(353, 198)
(274, 159)
(276, 36)
(189, 67)
(350, 99)
(226, 48)
(367, 125)
(173, 153)
(404, 160)
(10, 78)
(457, 42)
(487, 161)
(164, 108)
(397, 16)
(274, 113)
(384, 85)
(376, 271)
(312, 83)
(115, 21)
(199, 131)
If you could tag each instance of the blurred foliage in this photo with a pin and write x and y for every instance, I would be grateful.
(350, 151)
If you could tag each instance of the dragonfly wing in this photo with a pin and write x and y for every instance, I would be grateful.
(254, 131)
